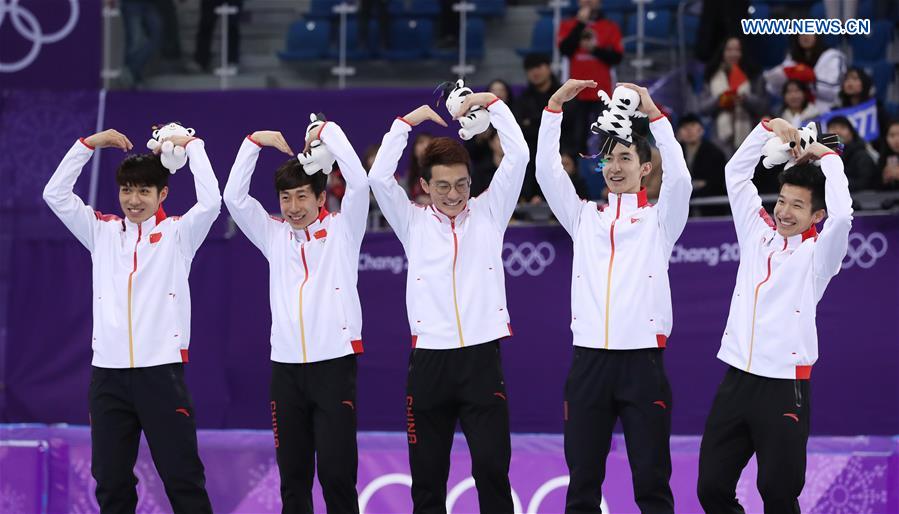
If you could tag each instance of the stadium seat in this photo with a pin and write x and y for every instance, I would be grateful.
(873, 47)
(307, 39)
(489, 8)
(410, 38)
(657, 27)
(354, 50)
(759, 11)
(474, 42)
(569, 10)
(414, 8)
(619, 6)
(321, 9)
(542, 38)
(691, 27)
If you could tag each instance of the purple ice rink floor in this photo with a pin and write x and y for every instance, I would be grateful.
(47, 469)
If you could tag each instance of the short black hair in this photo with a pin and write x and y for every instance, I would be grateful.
(844, 121)
(444, 151)
(688, 118)
(807, 176)
(642, 147)
(142, 170)
(291, 175)
(535, 59)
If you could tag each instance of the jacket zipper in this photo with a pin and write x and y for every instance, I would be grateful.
(755, 302)
(609, 278)
(130, 288)
(455, 301)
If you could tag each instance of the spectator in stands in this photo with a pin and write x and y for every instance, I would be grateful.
(416, 193)
(208, 17)
(860, 167)
(380, 7)
(143, 34)
(569, 164)
(889, 156)
(811, 62)
(735, 96)
(503, 91)
(542, 83)
(592, 44)
(368, 158)
(485, 165)
(704, 160)
(797, 103)
(857, 88)
(719, 19)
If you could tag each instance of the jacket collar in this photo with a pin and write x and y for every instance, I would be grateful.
(147, 225)
(628, 202)
(309, 233)
(443, 218)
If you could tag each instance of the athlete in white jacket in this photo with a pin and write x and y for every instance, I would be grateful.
(141, 314)
(621, 305)
(456, 302)
(771, 342)
(316, 331)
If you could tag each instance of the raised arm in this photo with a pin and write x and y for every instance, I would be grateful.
(505, 187)
(745, 202)
(59, 193)
(195, 224)
(831, 246)
(557, 188)
(677, 185)
(355, 202)
(247, 212)
(391, 197)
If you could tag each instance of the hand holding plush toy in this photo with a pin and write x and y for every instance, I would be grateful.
(173, 156)
(777, 152)
(475, 121)
(317, 157)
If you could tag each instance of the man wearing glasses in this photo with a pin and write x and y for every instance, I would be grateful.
(456, 303)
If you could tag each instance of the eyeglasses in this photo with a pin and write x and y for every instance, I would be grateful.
(444, 188)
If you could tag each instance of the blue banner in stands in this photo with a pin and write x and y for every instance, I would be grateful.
(50, 45)
(863, 117)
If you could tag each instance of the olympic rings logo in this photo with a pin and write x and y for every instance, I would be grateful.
(527, 258)
(28, 26)
(864, 251)
(403, 479)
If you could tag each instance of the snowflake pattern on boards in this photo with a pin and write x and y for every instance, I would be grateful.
(265, 485)
(31, 160)
(856, 490)
(820, 474)
(11, 500)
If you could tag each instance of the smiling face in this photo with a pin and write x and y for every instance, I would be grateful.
(449, 188)
(300, 206)
(623, 171)
(793, 213)
(139, 203)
